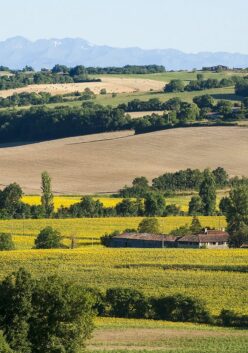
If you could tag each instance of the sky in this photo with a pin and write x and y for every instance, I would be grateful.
(187, 25)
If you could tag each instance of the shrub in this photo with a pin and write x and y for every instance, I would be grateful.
(230, 318)
(48, 238)
(149, 225)
(6, 242)
(181, 308)
(127, 303)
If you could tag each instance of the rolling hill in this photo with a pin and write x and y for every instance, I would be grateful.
(106, 162)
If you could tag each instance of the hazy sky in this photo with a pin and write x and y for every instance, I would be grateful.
(188, 25)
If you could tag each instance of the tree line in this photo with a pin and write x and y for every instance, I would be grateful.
(55, 316)
(25, 98)
(58, 74)
(42, 123)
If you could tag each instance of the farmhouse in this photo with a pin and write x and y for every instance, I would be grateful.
(210, 239)
(143, 240)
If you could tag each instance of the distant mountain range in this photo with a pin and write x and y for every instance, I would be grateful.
(18, 52)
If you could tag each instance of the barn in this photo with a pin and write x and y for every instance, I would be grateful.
(143, 240)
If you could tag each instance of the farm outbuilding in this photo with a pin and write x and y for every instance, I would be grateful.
(142, 240)
(211, 239)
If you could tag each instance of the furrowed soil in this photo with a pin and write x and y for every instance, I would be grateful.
(104, 163)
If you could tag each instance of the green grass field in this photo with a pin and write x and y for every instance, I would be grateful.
(143, 336)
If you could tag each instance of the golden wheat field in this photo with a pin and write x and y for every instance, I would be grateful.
(216, 276)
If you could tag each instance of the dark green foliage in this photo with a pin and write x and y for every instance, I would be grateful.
(181, 308)
(181, 231)
(62, 319)
(188, 112)
(127, 303)
(174, 86)
(195, 226)
(195, 206)
(241, 87)
(231, 319)
(6, 242)
(87, 207)
(221, 177)
(172, 210)
(47, 195)
(188, 179)
(207, 193)
(16, 310)
(139, 188)
(149, 225)
(48, 238)
(128, 69)
(235, 208)
(106, 238)
(48, 315)
(128, 208)
(154, 204)
(225, 108)
(205, 101)
(4, 347)
(10, 197)
(42, 123)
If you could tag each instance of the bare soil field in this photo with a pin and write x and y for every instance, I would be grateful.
(136, 115)
(159, 339)
(106, 162)
(112, 85)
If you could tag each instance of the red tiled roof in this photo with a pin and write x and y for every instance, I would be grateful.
(146, 236)
(212, 236)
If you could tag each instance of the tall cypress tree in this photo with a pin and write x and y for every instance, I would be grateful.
(47, 195)
(208, 193)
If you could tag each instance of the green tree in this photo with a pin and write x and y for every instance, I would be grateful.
(174, 86)
(205, 101)
(47, 195)
(188, 112)
(6, 242)
(195, 206)
(62, 319)
(149, 225)
(126, 302)
(127, 208)
(235, 209)
(48, 238)
(154, 204)
(195, 226)
(16, 310)
(10, 197)
(208, 193)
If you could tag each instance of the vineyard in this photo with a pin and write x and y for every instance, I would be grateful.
(217, 276)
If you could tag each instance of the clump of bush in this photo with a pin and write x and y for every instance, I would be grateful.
(6, 242)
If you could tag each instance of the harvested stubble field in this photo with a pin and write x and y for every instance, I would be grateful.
(104, 163)
(159, 336)
(111, 84)
(219, 277)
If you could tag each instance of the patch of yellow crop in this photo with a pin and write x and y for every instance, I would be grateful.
(152, 271)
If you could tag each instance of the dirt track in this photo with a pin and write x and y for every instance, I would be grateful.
(106, 162)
